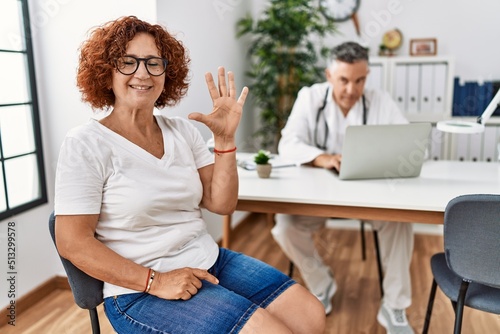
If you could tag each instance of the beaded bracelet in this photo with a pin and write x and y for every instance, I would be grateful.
(216, 151)
(150, 281)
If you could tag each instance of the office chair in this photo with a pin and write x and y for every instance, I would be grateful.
(87, 291)
(363, 256)
(468, 272)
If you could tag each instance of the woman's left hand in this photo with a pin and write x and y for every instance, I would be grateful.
(226, 114)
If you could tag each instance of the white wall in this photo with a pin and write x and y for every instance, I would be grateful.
(464, 30)
(58, 27)
(207, 30)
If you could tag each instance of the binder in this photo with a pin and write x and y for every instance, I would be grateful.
(475, 146)
(486, 94)
(400, 87)
(491, 138)
(436, 145)
(477, 99)
(496, 87)
(469, 101)
(426, 88)
(462, 147)
(458, 95)
(413, 88)
(440, 86)
(375, 79)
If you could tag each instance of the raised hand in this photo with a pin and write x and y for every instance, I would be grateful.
(226, 113)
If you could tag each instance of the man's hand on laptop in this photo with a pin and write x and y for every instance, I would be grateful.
(328, 161)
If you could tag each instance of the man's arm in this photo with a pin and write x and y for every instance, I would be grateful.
(297, 137)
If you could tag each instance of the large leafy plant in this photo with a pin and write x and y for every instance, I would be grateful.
(285, 48)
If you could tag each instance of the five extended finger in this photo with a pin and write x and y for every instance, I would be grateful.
(212, 89)
(243, 96)
(222, 81)
(232, 86)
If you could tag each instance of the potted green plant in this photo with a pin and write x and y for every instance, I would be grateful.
(285, 46)
(261, 159)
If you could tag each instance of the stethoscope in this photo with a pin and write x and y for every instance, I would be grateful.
(321, 111)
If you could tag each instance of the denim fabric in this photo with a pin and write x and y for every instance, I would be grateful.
(245, 284)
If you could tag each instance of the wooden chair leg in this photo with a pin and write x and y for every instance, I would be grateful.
(430, 304)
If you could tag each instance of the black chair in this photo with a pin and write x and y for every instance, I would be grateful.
(363, 256)
(468, 272)
(87, 291)
(377, 254)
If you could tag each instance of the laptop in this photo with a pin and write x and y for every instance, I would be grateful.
(384, 151)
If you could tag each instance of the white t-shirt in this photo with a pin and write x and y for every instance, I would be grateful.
(304, 134)
(148, 207)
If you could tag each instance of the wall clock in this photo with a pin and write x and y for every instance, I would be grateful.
(339, 10)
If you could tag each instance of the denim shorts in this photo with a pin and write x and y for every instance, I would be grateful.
(245, 284)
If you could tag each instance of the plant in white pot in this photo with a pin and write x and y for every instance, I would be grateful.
(261, 159)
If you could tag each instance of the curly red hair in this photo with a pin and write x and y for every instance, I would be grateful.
(109, 42)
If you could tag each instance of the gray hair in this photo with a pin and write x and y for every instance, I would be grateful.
(349, 52)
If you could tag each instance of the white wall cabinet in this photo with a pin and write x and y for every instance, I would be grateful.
(421, 86)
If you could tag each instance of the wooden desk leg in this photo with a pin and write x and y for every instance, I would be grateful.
(226, 231)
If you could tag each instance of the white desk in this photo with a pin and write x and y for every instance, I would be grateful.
(319, 192)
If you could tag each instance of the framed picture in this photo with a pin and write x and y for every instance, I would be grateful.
(423, 47)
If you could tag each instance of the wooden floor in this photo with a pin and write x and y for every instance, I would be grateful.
(355, 304)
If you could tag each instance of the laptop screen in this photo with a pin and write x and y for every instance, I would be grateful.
(384, 151)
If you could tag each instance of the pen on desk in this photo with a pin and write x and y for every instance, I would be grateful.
(287, 165)
(251, 166)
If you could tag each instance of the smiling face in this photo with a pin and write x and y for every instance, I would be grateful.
(139, 90)
(348, 80)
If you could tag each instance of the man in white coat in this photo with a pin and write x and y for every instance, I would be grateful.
(314, 135)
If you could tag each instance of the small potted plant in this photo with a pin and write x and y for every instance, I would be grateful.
(261, 159)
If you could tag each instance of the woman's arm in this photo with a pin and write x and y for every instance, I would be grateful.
(220, 180)
(76, 242)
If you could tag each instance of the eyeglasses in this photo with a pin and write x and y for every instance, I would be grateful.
(128, 65)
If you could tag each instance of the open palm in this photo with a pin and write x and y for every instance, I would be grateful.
(226, 113)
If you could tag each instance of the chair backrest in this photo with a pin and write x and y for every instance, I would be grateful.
(87, 290)
(472, 237)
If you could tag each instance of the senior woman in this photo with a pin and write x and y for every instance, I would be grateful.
(129, 189)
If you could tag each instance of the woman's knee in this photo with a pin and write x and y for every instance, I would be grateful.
(300, 310)
(262, 322)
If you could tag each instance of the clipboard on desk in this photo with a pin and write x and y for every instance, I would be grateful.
(384, 151)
